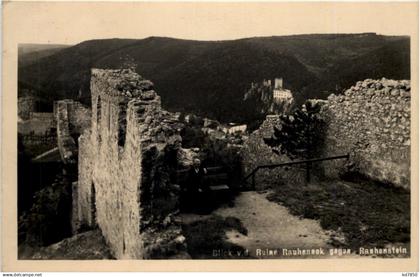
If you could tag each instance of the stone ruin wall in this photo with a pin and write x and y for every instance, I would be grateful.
(71, 116)
(26, 105)
(125, 164)
(42, 116)
(31, 122)
(255, 152)
(371, 122)
(66, 143)
(79, 115)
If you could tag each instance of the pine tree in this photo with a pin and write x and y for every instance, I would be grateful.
(300, 134)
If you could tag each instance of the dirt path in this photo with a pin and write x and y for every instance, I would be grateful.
(270, 226)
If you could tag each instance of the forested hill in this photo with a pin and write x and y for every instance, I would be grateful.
(210, 77)
(29, 53)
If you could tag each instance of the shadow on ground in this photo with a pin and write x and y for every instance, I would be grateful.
(368, 213)
(206, 237)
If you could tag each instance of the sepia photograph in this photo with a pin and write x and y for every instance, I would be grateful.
(288, 142)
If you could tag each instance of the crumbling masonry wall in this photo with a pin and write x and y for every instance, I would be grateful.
(371, 121)
(26, 105)
(126, 161)
(66, 143)
(71, 117)
(79, 116)
(255, 152)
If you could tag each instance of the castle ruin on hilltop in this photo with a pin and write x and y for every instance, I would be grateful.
(270, 98)
(279, 93)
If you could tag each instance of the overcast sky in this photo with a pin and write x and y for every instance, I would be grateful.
(71, 23)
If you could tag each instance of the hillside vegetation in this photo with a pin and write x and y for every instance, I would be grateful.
(30, 53)
(209, 78)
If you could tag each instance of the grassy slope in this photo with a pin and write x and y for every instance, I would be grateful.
(367, 212)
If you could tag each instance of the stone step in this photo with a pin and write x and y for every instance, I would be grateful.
(219, 176)
(218, 187)
(215, 169)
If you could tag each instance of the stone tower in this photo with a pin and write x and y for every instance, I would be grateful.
(278, 83)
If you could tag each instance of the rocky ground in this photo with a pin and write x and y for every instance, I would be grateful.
(89, 245)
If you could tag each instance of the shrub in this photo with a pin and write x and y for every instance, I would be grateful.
(192, 136)
(299, 135)
(49, 219)
(219, 153)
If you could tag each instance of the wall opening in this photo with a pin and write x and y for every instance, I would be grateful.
(109, 116)
(98, 117)
(123, 245)
(93, 204)
(122, 124)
